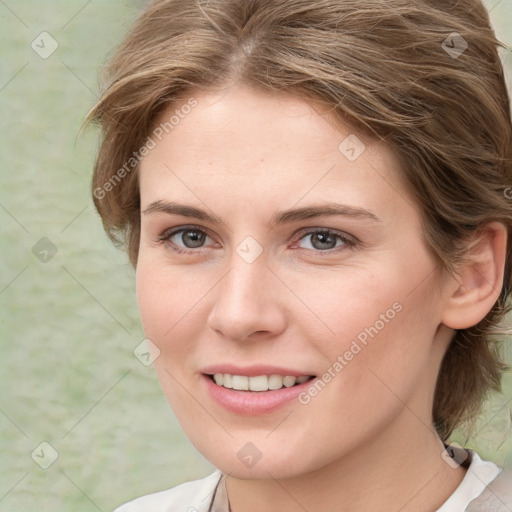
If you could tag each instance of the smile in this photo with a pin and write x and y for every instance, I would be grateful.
(256, 394)
(259, 382)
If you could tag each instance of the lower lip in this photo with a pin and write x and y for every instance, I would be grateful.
(253, 403)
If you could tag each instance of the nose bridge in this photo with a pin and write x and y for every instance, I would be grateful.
(243, 291)
(245, 302)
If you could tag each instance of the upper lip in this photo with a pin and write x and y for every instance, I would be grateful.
(253, 370)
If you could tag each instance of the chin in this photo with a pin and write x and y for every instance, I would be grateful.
(250, 463)
(262, 470)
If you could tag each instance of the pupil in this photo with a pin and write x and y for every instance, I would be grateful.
(193, 238)
(324, 239)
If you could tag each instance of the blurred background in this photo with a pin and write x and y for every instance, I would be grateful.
(84, 425)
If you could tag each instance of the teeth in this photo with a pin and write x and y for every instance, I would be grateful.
(241, 382)
(259, 383)
(289, 381)
(228, 380)
(275, 382)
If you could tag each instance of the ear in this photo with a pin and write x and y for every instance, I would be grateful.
(477, 284)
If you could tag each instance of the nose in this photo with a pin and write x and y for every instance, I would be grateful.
(249, 303)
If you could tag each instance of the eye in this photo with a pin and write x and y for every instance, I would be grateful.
(189, 239)
(184, 239)
(326, 240)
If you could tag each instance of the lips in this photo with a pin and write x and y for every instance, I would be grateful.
(256, 389)
(254, 370)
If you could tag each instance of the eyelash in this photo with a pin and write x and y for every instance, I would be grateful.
(349, 242)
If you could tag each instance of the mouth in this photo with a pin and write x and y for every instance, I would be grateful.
(256, 389)
(258, 383)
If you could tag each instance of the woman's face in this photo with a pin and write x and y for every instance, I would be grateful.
(275, 242)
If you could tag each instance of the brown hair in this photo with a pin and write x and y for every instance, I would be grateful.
(399, 69)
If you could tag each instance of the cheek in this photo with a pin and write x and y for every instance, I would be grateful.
(168, 302)
(373, 367)
(379, 328)
(168, 299)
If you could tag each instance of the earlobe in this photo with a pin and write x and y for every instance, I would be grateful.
(472, 293)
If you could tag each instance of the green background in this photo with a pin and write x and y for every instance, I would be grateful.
(69, 325)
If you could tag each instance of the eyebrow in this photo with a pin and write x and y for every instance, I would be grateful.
(279, 217)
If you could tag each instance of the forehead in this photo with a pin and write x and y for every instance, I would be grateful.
(267, 149)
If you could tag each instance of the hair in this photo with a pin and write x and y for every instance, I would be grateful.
(385, 66)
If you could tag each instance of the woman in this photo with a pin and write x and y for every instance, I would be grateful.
(314, 197)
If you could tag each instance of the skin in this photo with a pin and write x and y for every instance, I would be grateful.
(366, 441)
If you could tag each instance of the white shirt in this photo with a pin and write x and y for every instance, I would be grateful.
(485, 488)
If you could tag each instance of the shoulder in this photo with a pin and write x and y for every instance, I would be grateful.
(194, 496)
(497, 496)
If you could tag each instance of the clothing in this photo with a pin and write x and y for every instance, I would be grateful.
(485, 488)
